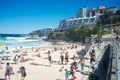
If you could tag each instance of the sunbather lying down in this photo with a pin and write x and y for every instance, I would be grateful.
(36, 64)
(36, 55)
(5, 58)
(27, 59)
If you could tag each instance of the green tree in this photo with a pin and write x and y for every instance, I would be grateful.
(52, 35)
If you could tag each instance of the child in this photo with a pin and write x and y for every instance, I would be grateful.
(23, 73)
(7, 72)
(66, 74)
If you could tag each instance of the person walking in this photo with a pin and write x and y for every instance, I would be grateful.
(82, 63)
(7, 72)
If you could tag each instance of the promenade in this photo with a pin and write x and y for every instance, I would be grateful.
(99, 55)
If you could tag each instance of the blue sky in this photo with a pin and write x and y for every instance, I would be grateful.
(24, 16)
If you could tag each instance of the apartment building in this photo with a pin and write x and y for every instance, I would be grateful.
(45, 31)
(86, 16)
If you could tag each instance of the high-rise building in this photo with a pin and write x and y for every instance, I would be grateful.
(82, 12)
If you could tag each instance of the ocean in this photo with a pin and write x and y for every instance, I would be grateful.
(13, 41)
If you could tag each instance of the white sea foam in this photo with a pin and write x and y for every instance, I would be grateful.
(25, 42)
(16, 38)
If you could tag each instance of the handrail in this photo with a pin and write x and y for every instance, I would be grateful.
(109, 65)
(90, 67)
(116, 47)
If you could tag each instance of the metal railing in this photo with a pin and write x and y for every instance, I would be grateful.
(115, 45)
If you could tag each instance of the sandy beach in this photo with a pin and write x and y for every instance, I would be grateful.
(37, 68)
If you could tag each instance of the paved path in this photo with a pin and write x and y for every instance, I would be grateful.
(99, 54)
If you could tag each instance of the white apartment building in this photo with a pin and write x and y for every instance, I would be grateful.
(45, 31)
(85, 16)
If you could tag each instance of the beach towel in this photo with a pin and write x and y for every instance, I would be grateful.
(35, 64)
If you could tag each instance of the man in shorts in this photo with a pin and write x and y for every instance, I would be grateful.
(7, 72)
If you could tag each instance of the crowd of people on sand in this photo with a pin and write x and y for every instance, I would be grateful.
(64, 60)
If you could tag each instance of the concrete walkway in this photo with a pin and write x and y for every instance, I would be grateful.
(99, 54)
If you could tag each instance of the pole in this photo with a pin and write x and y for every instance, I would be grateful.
(111, 27)
(100, 26)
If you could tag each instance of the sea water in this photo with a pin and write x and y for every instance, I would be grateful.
(13, 41)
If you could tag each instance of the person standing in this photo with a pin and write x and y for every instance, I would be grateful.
(66, 58)
(23, 73)
(100, 42)
(82, 63)
(49, 59)
(66, 74)
(15, 59)
(6, 48)
(117, 39)
(62, 58)
(7, 72)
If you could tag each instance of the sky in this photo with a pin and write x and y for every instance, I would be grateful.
(25, 16)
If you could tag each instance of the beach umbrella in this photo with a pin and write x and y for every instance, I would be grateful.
(2, 44)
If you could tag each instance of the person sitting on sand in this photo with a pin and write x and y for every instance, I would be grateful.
(7, 72)
(22, 60)
(38, 55)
